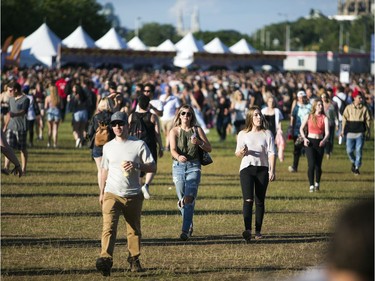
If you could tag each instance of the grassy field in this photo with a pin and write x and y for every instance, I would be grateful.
(51, 219)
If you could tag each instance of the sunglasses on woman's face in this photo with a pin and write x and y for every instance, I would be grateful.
(188, 114)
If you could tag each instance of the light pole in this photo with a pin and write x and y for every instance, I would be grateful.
(137, 20)
(287, 32)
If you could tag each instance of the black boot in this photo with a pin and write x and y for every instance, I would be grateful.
(104, 265)
(135, 264)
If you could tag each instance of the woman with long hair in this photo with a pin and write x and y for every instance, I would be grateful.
(315, 141)
(52, 105)
(185, 139)
(103, 115)
(255, 146)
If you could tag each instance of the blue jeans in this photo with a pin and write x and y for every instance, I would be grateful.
(186, 177)
(354, 149)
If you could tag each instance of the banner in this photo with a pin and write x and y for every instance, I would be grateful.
(345, 73)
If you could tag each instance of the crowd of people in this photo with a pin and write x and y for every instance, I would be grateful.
(184, 106)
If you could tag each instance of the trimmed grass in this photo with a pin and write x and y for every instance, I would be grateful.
(51, 219)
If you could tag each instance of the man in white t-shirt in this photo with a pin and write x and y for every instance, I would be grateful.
(124, 158)
(171, 104)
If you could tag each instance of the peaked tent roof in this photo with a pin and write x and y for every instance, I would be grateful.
(111, 40)
(42, 42)
(136, 44)
(189, 44)
(166, 46)
(242, 47)
(40, 46)
(79, 39)
(216, 46)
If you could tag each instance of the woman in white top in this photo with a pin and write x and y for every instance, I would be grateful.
(239, 109)
(255, 145)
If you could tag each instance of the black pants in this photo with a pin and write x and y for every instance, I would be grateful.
(296, 153)
(254, 182)
(314, 154)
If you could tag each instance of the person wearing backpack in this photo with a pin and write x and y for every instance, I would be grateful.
(145, 126)
(100, 132)
(340, 99)
(356, 121)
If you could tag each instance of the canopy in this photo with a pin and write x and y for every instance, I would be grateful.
(166, 46)
(79, 39)
(216, 46)
(242, 47)
(137, 44)
(111, 40)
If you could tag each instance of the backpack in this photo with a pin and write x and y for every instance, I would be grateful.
(142, 128)
(102, 134)
(342, 106)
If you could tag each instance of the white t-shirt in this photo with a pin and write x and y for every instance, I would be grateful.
(171, 104)
(260, 145)
(114, 153)
(155, 103)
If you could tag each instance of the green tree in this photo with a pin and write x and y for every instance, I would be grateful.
(22, 17)
(153, 34)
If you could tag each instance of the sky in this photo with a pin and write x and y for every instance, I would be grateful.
(245, 16)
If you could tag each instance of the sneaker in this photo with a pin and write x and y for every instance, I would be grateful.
(353, 169)
(184, 236)
(104, 265)
(180, 203)
(135, 264)
(311, 188)
(145, 191)
(317, 187)
(78, 143)
(258, 236)
(247, 235)
(356, 172)
(291, 169)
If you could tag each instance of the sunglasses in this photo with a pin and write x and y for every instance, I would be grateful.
(183, 113)
(147, 91)
(119, 123)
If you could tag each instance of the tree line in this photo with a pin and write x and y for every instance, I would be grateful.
(22, 17)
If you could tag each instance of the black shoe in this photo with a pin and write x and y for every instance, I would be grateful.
(353, 168)
(247, 235)
(184, 236)
(135, 264)
(104, 265)
(356, 172)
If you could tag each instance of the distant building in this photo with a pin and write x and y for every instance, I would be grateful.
(354, 7)
(194, 23)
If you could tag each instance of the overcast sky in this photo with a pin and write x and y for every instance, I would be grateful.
(245, 16)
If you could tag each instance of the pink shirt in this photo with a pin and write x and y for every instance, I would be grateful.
(317, 128)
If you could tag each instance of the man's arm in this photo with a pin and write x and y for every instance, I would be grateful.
(104, 175)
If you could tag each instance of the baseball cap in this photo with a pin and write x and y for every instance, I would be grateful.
(119, 116)
(301, 94)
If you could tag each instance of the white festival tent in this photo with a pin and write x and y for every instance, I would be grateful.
(39, 47)
(215, 46)
(136, 44)
(166, 46)
(186, 48)
(111, 40)
(79, 39)
(242, 47)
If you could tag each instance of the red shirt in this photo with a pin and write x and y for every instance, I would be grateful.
(60, 84)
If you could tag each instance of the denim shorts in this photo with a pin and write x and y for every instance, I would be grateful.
(53, 114)
(97, 151)
(80, 116)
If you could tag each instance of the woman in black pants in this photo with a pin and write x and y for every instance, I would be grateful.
(318, 134)
(255, 145)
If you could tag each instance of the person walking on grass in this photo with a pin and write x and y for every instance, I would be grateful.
(16, 129)
(145, 125)
(185, 138)
(256, 148)
(356, 121)
(318, 135)
(53, 106)
(124, 158)
(299, 111)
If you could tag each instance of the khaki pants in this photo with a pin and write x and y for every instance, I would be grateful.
(130, 208)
